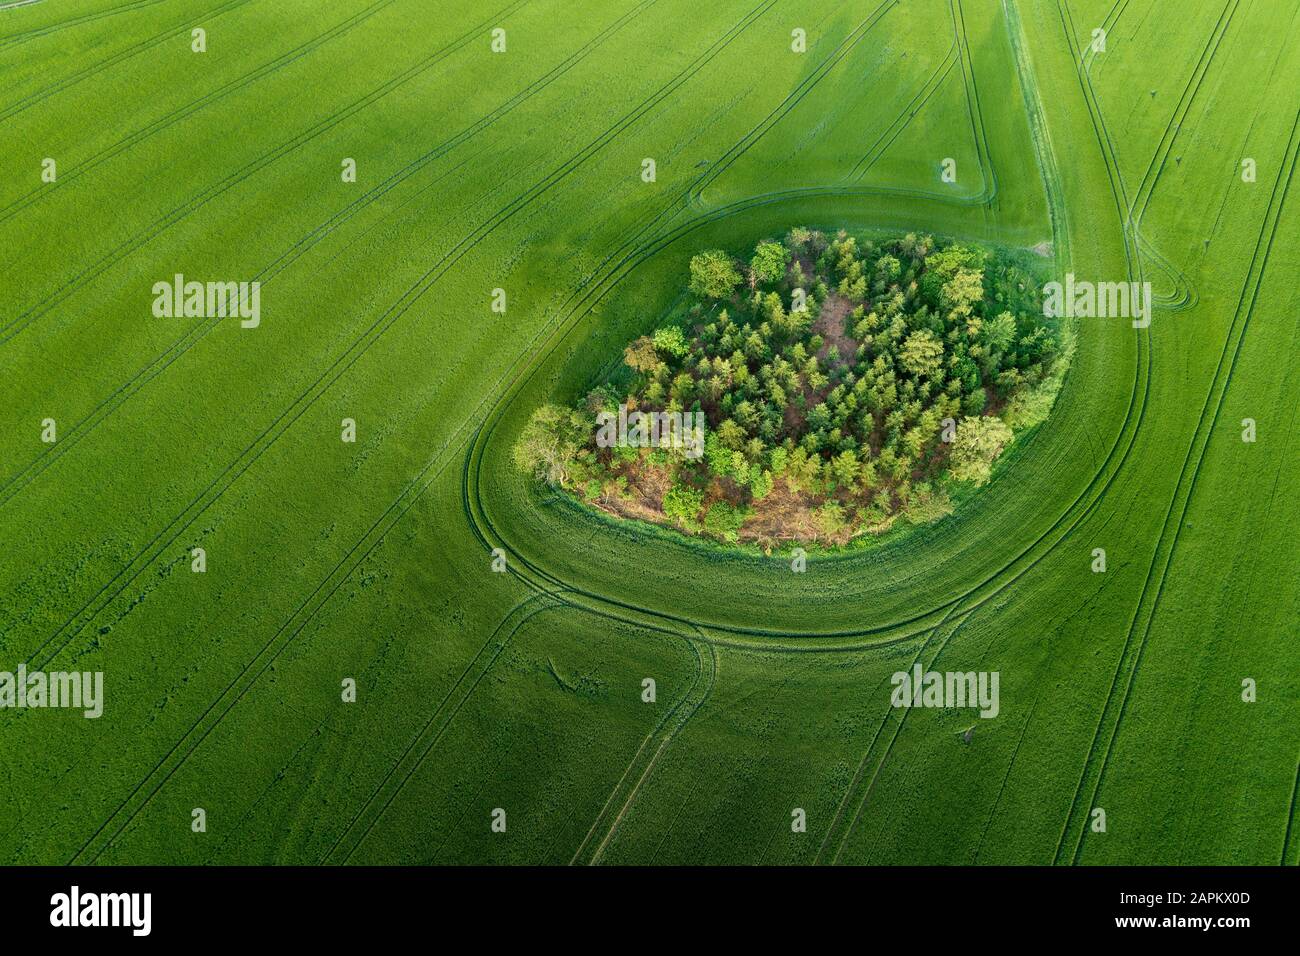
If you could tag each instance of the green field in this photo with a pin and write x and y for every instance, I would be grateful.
(130, 440)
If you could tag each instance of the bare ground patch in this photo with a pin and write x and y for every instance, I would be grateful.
(830, 326)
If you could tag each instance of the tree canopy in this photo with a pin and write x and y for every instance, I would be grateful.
(713, 274)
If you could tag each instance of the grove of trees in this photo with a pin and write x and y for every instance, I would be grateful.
(846, 383)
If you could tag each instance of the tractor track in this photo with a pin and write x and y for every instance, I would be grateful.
(665, 732)
(24, 36)
(862, 764)
(433, 730)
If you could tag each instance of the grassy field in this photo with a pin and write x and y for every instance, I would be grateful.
(521, 170)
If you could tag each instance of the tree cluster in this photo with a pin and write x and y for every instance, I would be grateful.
(845, 382)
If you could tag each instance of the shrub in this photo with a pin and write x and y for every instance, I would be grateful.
(724, 520)
(682, 504)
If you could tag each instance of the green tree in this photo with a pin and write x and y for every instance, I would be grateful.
(671, 340)
(845, 467)
(943, 265)
(769, 263)
(977, 444)
(922, 354)
(996, 335)
(717, 456)
(960, 293)
(739, 467)
(888, 268)
(641, 356)
(713, 274)
(548, 443)
(830, 519)
(730, 435)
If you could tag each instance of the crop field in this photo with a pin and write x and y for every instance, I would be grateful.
(336, 624)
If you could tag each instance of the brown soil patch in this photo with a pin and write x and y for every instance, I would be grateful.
(784, 516)
(830, 326)
(629, 509)
(649, 483)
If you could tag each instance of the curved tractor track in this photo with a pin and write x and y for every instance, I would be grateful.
(737, 634)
